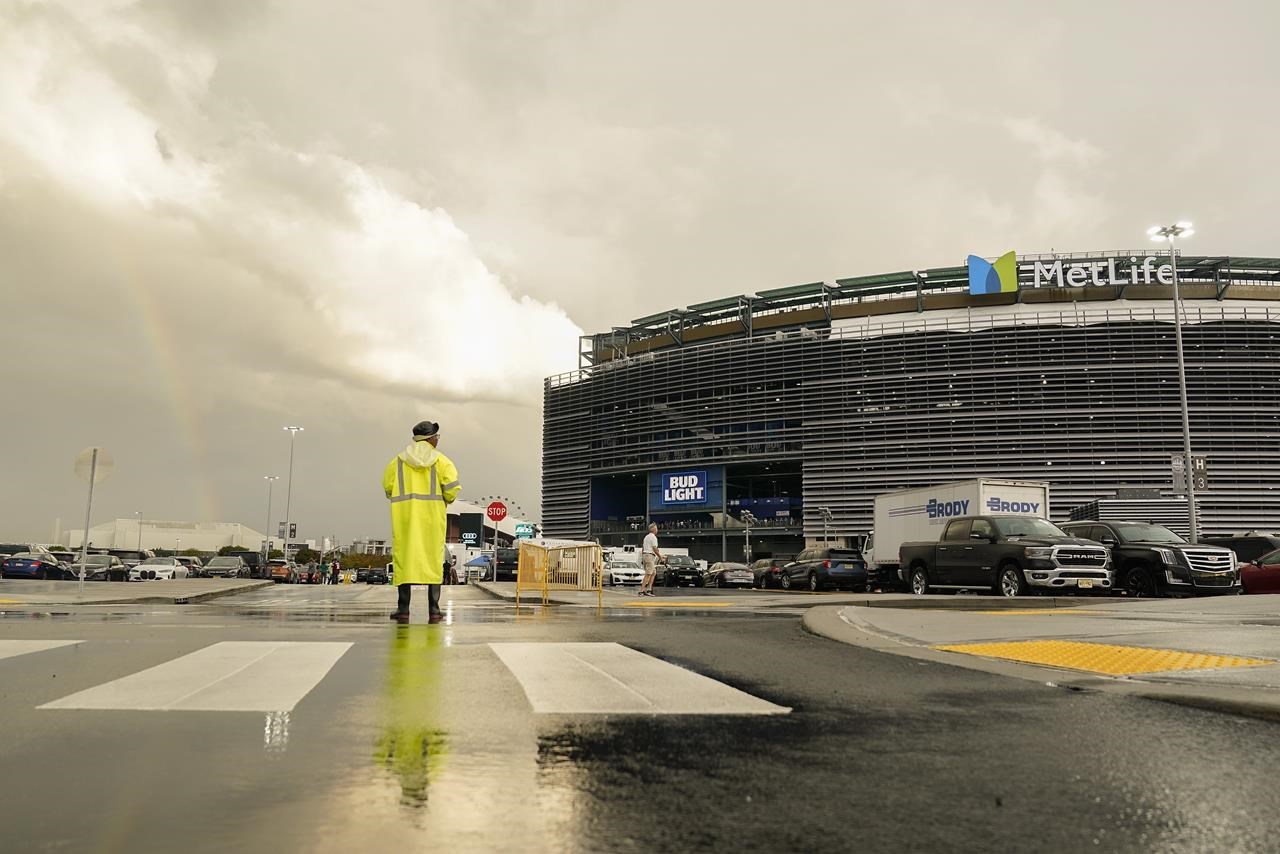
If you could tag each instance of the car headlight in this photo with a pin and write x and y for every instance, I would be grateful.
(1039, 552)
(1167, 555)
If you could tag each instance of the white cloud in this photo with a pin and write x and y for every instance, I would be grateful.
(1051, 144)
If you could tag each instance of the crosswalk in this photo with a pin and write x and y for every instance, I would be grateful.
(275, 676)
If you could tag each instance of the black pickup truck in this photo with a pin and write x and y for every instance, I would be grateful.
(1151, 560)
(1011, 555)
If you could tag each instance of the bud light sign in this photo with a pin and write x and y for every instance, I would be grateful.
(684, 487)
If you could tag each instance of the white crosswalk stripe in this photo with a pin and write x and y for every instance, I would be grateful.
(607, 678)
(11, 648)
(232, 676)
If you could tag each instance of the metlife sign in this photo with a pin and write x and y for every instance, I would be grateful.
(1006, 274)
(683, 487)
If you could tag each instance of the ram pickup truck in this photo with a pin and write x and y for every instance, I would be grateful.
(1012, 555)
(1151, 560)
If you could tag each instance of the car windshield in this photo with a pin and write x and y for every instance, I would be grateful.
(625, 564)
(1028, 526)
(1148, 533)
(27, 556)
(679, 560)
(157, 561)
(224, 561)
(730, 566)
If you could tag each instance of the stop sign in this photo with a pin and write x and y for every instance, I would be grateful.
(497, 511)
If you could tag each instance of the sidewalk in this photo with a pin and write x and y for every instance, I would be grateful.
(506, 590)
(1219, 652)
(178, 592)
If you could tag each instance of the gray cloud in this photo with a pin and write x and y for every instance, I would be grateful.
(217, 218)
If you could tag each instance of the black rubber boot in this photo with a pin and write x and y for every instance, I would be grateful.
(433, 602)
(404, 593)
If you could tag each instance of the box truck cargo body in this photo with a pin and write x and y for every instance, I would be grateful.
(920, 514)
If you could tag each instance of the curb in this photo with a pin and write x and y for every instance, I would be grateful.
(154, 600)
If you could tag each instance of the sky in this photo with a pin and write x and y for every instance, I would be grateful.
(218, 219)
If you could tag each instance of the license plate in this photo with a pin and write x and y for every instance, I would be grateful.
(1084, 583)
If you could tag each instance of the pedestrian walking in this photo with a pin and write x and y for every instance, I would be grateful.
(420, 483)
(650, 554)
(334, 569)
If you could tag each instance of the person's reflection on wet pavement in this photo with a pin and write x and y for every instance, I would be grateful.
(411, 746)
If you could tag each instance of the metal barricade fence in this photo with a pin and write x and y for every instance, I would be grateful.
(562, 566)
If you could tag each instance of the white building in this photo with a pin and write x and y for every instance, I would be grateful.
(133, 533)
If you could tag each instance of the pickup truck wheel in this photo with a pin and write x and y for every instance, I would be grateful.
(1140, 583)
(814, 584)
(919, 581)
(786, 581)
(1012, 581)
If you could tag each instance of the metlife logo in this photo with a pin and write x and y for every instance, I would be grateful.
(1001, 276)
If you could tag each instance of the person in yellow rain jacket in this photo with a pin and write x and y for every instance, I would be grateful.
(421, 483)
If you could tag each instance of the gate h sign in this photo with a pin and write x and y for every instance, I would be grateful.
(497, 511)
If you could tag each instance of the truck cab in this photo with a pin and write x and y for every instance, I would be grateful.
(1010, 555)
(1151, 560)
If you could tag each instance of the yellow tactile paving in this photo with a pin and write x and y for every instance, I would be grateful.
(658, 603)
(1101, 657)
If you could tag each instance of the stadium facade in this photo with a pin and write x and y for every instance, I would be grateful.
(801, 404)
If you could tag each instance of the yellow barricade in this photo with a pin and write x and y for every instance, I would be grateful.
(563, 566)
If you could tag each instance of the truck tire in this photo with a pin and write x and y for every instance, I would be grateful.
(1011, 581)
(1140, 583)
(918, 580)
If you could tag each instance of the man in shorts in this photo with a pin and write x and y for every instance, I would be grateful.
(650, 554)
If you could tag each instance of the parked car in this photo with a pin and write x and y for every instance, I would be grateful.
(283, 571)
(625, 571)
(39, 566)
(165, 568)
(131, 557)
(377, 575)
(729, 574)
(1262, 574)
(1011, 555)
(1151, 560)
(65, 556)
(679, 571)
(255, 567)
(1247, 547)
(767, 572)
(101, 567)
(816, 569)
(9, 549)
(508, 564)
(226, 566)
(195, 566)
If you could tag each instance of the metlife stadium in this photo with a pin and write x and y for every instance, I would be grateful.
(820, 396)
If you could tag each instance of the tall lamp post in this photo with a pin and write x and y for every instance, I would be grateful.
(288, 501)
(826, 522)
(1169, 233)
(266, 540)
(748, 519)
(138, 515)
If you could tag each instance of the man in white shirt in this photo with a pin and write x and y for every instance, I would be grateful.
(650, 554)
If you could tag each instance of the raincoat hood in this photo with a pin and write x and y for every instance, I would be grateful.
(419, 455)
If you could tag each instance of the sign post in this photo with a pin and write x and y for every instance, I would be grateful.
(496, 511)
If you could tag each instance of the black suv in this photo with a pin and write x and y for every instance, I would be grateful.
(826, 567)
(253, 560)
(1151, 560)
(681, 570)
(508, 564)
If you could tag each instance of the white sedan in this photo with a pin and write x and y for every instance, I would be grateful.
(159, 567)
(625, 572)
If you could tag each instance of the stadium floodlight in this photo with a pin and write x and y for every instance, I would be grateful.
(1170, 233)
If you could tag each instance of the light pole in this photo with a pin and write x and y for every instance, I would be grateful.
(1169, 233)
(826, 521)
(288, 501)
(748, 519)
(177, 546)
(266, 538)
(138, 513)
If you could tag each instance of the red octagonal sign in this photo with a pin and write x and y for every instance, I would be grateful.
(497, 511)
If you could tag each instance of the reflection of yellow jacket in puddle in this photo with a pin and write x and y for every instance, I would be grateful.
(412, 745)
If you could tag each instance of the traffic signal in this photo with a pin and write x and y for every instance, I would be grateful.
(293, 530)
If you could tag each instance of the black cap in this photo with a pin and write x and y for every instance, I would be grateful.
(425, 430)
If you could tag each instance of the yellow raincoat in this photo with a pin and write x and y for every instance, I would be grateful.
(421, 483)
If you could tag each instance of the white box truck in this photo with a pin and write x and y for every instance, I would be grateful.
(919, 514)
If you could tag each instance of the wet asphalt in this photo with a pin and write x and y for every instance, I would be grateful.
(420, 738)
